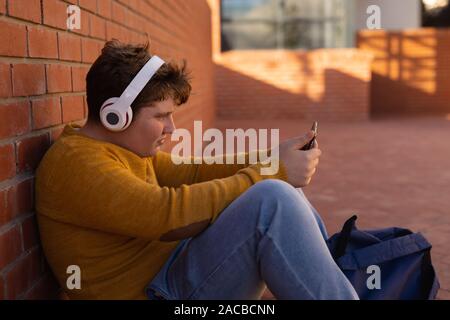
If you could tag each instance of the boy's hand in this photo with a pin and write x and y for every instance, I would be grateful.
(300, 165)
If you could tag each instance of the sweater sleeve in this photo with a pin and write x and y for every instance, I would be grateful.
(101, 193)
(171, 174)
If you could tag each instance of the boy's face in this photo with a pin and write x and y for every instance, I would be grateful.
(149, 128)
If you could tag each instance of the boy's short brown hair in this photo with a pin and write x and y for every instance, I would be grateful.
(118, 64)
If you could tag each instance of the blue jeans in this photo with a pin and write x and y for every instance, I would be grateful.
(271, 235)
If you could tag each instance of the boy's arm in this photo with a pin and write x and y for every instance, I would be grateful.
(107, 197)
(171, 174)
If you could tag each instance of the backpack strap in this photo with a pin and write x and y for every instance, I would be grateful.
(344, 237)
(384, 251)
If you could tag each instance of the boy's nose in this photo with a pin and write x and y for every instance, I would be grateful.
(170, 127)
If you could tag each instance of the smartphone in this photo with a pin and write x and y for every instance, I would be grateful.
(310, 144)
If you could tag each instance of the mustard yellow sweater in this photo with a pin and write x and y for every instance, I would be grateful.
(103, 208)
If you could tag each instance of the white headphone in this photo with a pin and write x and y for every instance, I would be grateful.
(116, 113)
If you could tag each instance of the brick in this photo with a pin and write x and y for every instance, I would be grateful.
(104, 8)
(8, 211)
(30, 152)
(7, 162)
(46, 112)
(79, 78)
(42, 43)
(2, 11)
(19, 198)
(13, 33)
(137, 38)
(14, 119)
(55, 13)
(135, 22)
(59, 78)
(55, 133)
(115, 31)
(16, 200)
(6, 214)
(30, 232)
(2, 286)
(69, 47)
(72, 108)
(28, 79)
(84, 24)
(90, 50)
(134, 4)
(26, 9)
(5, 83)
(97, 27)
(10, 246)
(119, 13)
(26, 271)
(90, 5)
(47, 288)
(419, 87)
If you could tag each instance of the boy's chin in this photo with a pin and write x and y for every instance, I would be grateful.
(154, 151)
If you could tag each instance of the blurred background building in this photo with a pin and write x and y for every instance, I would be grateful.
(309, 24)
(272, 40)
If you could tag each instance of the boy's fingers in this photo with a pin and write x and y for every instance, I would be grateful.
(300, 141)
(314, 153)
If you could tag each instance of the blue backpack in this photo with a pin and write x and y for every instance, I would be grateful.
(385, 264)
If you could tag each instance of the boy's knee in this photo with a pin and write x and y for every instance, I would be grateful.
(279, 201)
(275, 189)
(274, 194)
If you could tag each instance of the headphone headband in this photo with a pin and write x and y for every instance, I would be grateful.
(139, 82)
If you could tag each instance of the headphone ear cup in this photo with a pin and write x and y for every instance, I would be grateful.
(129, 118)
(112, 117)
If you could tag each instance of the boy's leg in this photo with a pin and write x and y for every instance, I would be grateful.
(317, 216)
(269, 235)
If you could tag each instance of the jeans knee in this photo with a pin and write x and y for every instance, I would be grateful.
(276, 190)
(280, 198)
(274, 187)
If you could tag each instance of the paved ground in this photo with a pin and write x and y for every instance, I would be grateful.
(391, 172)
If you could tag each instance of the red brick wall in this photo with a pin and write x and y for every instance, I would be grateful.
(42, 70)
(410, 71)
(330, 84)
